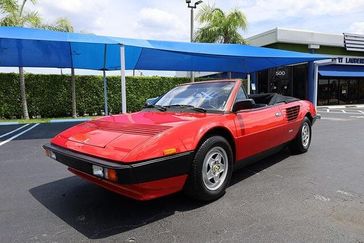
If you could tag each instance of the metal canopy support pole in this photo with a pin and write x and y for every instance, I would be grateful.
(105, 93)
(106, 107)
(253, 83)
(123, 85)
(191, 38)
(248, 83)
(73, 84)
(73, 90)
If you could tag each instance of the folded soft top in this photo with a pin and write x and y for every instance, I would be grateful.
(271, 98)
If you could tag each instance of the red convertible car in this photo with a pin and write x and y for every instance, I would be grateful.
(192, 139)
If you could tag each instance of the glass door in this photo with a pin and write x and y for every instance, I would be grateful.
(352, 91)
(343, 92)
(333, 92)
(323, 92)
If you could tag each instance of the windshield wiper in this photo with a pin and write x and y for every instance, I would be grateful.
(198, 109)
(158, 107)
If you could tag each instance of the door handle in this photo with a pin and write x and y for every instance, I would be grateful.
(278, 114)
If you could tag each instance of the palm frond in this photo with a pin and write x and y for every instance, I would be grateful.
(8, 6)
(32, 19)
(237, 19)
(63, 24)
(9, 20)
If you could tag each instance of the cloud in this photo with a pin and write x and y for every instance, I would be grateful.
(154, 19)
(357, 27)
(84, 17)
(273, 10)
(154, 23)
(170, 20)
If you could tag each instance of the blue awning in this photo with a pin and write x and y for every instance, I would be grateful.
(341, 74)
(342, 71)
(41, 48)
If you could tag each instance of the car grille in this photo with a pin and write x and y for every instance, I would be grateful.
(139, 129)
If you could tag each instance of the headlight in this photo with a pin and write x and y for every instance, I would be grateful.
(106, 173)
(98, 171)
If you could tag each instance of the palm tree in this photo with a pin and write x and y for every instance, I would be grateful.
(14, 15)
(220, 27)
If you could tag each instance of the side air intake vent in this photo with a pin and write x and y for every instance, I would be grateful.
(292, 112)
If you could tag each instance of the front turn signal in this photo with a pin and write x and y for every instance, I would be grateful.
(169, 151)
(111, 175)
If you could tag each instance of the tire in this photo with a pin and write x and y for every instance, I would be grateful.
(211, 170)
(302, 141)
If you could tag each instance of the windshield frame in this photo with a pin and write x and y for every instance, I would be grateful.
(222, 110)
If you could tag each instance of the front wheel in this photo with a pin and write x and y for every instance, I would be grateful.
(211, 169)
(303, 139)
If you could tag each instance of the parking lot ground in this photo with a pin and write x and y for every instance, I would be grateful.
(317, 196)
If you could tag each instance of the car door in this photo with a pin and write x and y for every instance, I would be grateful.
(291, 120)
(259, 130)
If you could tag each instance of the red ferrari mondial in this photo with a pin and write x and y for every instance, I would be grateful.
(190, 139)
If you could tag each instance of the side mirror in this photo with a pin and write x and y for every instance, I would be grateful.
(151, 101)
(243, 105)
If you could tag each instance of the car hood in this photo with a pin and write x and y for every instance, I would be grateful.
(121, 134)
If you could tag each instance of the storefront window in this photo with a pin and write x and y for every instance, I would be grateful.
(361, 91)
(352, 91)
(323, 92)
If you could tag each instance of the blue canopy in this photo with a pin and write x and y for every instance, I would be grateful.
(41, 48)
(25, 47)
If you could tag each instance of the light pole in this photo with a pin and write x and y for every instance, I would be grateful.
(192, 7)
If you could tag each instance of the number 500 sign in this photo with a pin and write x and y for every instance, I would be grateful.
(280, 73)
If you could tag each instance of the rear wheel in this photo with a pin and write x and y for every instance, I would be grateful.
(303, 139)
(211, 170)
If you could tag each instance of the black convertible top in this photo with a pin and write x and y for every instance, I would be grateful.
(271, 98)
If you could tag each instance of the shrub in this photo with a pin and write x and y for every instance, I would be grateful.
(50, 95)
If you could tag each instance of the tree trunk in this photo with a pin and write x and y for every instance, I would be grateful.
(22, 94)
(73, 90)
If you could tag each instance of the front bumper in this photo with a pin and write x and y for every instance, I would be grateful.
(134, 173)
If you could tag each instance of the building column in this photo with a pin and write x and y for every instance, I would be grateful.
(311, 82)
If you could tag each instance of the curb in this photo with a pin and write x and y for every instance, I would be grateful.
(8, 123)
(50, 121)
(340, 106)
(69, 120)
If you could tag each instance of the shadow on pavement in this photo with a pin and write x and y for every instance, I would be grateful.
(258, 166)
(98, 213)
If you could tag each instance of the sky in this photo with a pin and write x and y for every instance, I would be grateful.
(170, 19)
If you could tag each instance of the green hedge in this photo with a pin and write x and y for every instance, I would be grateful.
(50, 95)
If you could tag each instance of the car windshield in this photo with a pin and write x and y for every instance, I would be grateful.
(207, 96)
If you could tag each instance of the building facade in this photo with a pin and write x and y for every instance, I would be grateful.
(340, 80)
